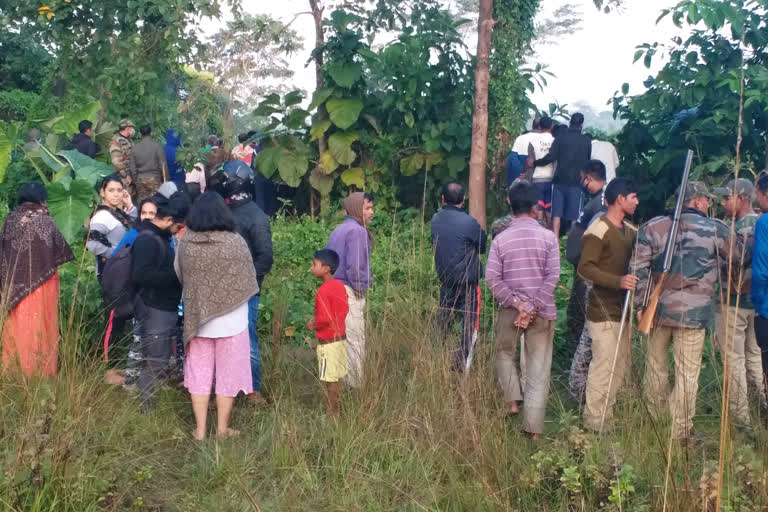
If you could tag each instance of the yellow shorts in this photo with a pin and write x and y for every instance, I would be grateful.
(332, 361)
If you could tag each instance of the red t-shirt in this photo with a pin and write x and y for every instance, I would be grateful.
(331, 310)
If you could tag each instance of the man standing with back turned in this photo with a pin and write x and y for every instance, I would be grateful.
(147, 165)
(571, 151)
(607, 248)
(458, 240)
(686, 303)
(735, 327)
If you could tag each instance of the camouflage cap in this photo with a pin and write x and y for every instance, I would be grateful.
(695, 189)
(125, 123)
(739, 187)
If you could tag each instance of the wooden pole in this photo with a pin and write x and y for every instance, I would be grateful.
(479, 155)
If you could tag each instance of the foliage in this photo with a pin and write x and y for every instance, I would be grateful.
(693, 102)
(247, 54)
(15, 104)
(23, 60)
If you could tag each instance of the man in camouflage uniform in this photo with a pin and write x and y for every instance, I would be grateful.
(685, 307)
(735, 333)
(120, 148)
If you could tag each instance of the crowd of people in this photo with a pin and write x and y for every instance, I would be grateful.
(182, 276)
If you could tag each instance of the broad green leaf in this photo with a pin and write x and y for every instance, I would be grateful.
(70, 208)
(373, 122)
(66, 181)
(266, 160)
(272, 99)
(455, 165)
(638, 54)
(321, 182)
(327, 163)
(296, 119)
(409, 120)
(345, 75)
(340, 146)
(66, 124)
(265, 109)
(103, 135)
(292, 167)
(57, 165)
(319, 97)
(344, 113)
(411, 165)
(625, 88)
(293, 98)
(86, 167)
(318, 129)
(431, 159)
(354, 176)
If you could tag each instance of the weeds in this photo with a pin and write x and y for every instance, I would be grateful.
(416, 437)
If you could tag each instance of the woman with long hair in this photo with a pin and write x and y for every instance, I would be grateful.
(112, 219)
(31, 250)
(214, 264)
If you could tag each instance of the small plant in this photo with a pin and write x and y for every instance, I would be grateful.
(622, 487)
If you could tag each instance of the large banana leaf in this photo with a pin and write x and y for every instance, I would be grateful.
(66, 124)
(70, 208)
(85, 167)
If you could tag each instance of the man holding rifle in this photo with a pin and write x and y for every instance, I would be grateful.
(607, 248)
(682, 300)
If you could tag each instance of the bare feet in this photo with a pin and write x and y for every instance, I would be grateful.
(198, 436)
(226, 434)
(257, 399)
(533, 437)
(114, 377)
(512, 408)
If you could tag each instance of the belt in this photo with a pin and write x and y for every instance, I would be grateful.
(331, 340)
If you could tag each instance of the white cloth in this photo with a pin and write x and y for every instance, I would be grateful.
(227, 325)
(606, 153)
(541, 143)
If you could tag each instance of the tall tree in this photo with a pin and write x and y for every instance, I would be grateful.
(479, 155)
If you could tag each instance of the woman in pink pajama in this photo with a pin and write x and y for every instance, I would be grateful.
(215, 267)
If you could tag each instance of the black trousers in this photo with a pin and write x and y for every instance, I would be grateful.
(761, 332)
(458, 300)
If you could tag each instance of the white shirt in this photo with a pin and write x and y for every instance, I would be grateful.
(606, 153)
(541, 143)
(227, 325)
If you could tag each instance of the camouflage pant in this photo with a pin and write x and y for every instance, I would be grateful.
(577, 308)
(146, 186)
(582, 355)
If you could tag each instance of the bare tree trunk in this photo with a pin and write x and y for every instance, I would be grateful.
(322, 144)
(479, 156)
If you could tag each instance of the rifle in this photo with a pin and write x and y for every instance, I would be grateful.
(651, 301)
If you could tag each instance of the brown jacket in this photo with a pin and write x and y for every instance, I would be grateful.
(217, 275)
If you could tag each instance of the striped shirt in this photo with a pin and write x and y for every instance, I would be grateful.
(523, 268)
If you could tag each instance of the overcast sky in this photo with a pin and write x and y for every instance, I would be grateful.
(589, 65)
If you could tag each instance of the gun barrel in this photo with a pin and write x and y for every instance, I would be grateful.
(669, 250)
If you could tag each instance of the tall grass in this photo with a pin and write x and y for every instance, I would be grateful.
(416, 437)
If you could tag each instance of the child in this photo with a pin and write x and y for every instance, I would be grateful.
(329, 324)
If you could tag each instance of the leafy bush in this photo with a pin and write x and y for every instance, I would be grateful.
(15, 104)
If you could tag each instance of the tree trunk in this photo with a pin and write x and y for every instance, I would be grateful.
(322, 144)
(479, 156)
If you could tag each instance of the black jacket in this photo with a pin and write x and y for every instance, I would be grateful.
(253, 226)
(571, 150)
(84, 144)
(595, 207)
(152, 272)
(458, 240)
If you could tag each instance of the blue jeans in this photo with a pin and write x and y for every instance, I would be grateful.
(253, 320)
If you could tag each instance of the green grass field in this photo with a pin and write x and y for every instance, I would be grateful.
(416, 437)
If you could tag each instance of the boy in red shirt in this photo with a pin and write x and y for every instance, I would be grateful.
(329, 324)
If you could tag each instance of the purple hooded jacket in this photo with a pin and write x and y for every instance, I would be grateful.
(350, 241)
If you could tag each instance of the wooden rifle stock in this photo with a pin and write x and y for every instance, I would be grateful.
(646, 321)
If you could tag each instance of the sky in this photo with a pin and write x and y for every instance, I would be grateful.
(590, 65)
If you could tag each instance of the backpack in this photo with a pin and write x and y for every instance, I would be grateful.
(119, 293)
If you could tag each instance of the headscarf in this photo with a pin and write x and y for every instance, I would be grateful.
(31, 249)
(172, 142)
(354, 204)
